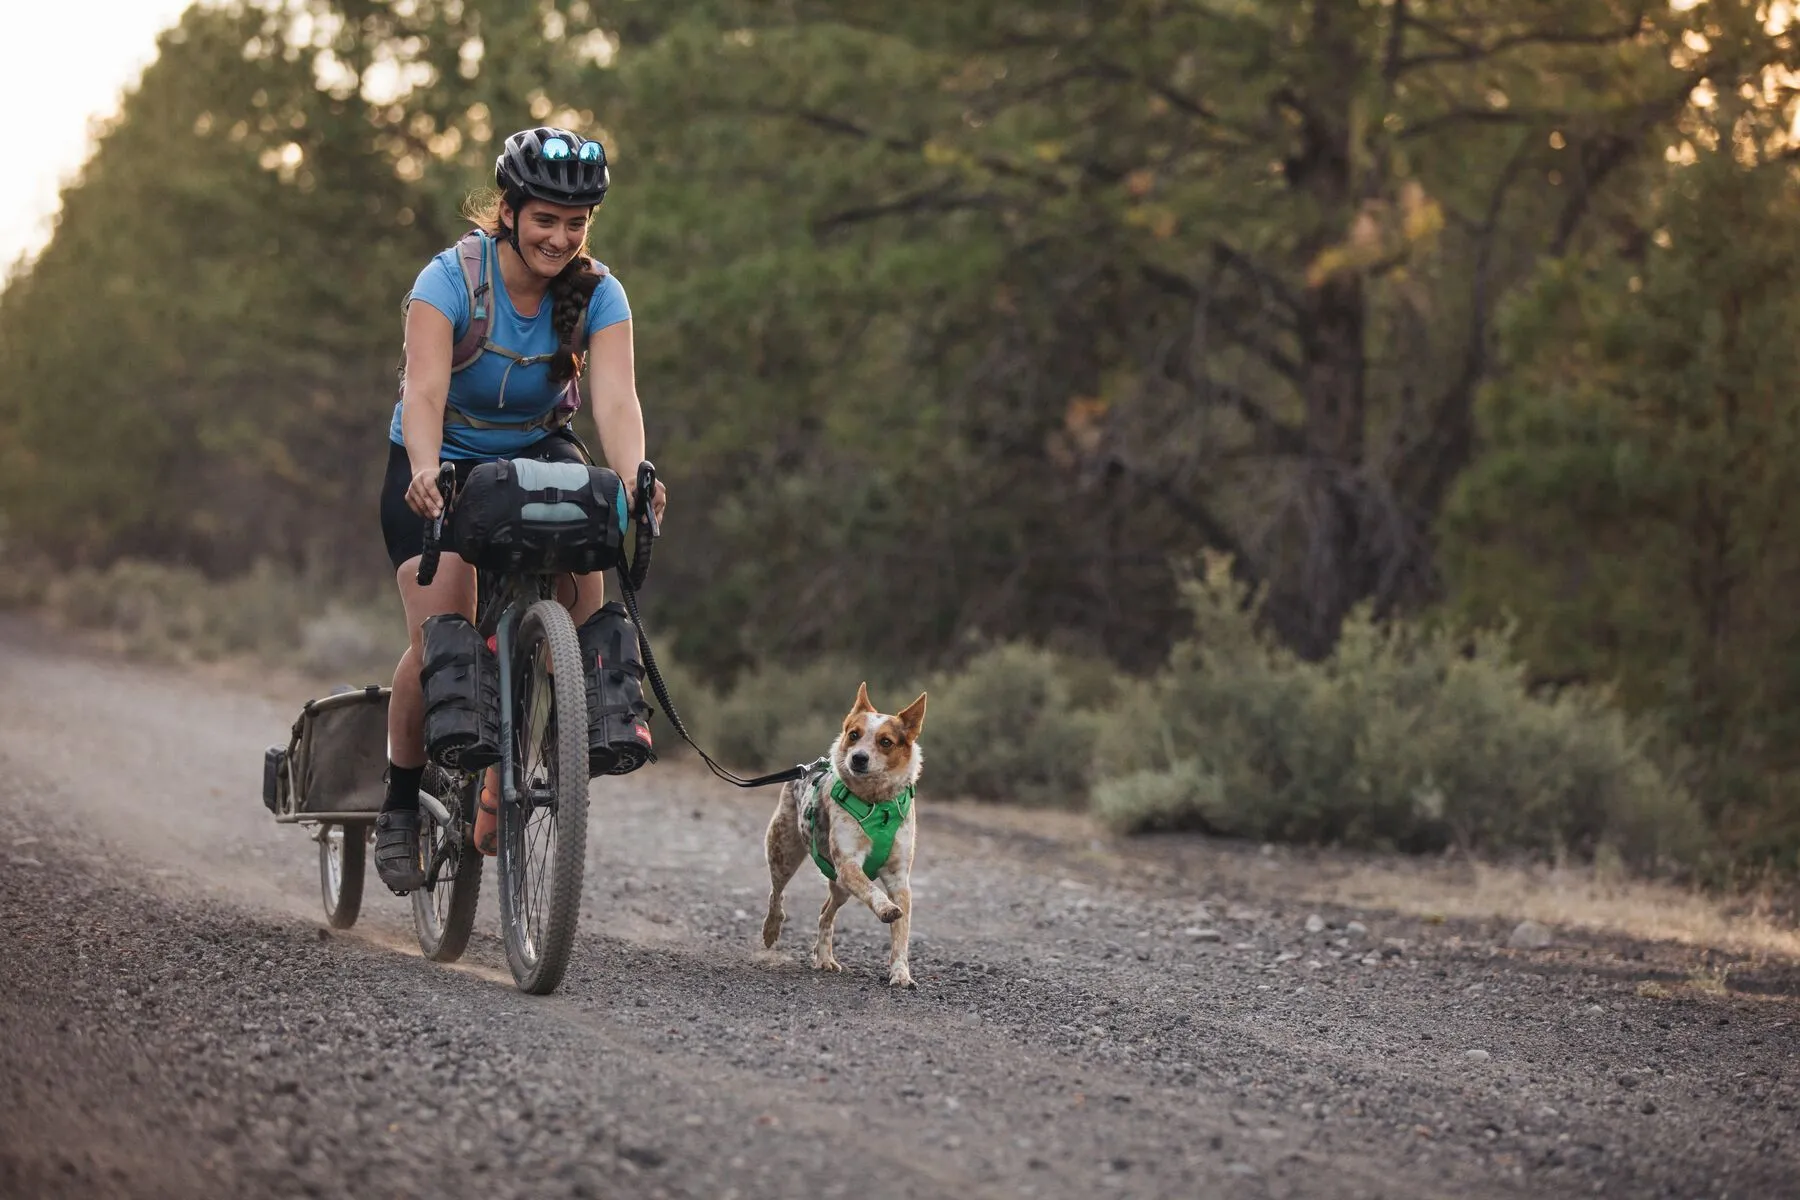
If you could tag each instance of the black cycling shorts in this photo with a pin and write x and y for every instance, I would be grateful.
(404, 530)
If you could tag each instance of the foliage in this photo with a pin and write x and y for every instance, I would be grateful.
(1406, 737)
(154, 611)
(960, 323)
(779, 715)
(1010, 725)
(1633, 507)
(994, 307)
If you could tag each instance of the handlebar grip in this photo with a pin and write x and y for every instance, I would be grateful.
(434, 530)
(647, 531)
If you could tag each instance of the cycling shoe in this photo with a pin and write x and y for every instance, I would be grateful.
(397, 850)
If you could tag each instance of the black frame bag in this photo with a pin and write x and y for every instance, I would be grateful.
(519, 514)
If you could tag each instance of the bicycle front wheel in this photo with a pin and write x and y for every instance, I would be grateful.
(543, 836)
(444, 914)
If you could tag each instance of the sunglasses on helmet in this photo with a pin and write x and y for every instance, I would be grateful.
(557, 149)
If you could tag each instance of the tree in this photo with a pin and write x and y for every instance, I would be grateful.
(1235, 266)
(1632, 507)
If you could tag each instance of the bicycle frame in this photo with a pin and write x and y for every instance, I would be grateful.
(506, 628)
(510, 593)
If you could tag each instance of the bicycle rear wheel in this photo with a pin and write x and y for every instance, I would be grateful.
(342, 853)
(444, 914)
(543, 837)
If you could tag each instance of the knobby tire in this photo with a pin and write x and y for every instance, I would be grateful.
(444, 915)
(543, 838)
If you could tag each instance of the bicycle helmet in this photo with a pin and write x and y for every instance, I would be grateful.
(552, 165)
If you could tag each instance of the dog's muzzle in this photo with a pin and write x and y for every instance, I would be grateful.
(859, 762)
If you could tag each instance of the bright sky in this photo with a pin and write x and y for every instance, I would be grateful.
(62, 65)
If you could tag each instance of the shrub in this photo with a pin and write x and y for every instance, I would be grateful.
(1407, 737)
(168, 612)
(1008, 726)
(780, 714)
(697, 704)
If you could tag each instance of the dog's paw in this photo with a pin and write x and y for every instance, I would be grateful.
(901, 977)
(889, 913)
(826, 962)
(771, 930)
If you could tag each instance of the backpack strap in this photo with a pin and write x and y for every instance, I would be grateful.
(473, 251)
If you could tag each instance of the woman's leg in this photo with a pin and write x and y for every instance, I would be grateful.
(583, 599)
(452, 591)
(397, 825)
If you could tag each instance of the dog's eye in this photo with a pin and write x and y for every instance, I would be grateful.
(887, 743)
(856, 735)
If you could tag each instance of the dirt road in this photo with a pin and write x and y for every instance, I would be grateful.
(1093, 1018)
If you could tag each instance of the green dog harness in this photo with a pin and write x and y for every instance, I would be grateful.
(880, 821)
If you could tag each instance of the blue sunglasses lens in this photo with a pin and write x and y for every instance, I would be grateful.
(555, 149)
(591, 152)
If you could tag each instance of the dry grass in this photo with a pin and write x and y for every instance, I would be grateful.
(1568, 898)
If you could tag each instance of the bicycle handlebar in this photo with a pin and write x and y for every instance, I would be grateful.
(645, 513)
(647, 530)
(434, 530)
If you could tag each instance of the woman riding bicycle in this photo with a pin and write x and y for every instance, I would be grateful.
(552, 310)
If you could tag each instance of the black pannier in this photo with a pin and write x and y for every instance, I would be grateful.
(525, 515)
(461, 682)
(618, 718)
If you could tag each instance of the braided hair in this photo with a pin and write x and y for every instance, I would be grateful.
(570, 292)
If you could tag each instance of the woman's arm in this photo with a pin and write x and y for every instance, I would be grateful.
(429, 345)
(618, 416)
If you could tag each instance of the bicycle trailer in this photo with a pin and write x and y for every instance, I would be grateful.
(331, 769)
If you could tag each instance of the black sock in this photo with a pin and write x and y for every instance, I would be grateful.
(402, 789)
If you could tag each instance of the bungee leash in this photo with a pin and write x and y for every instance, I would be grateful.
(629, 581)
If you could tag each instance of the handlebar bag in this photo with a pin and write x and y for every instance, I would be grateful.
(519, 514)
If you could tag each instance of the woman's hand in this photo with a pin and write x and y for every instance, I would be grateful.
(659, 498)
(422, 495)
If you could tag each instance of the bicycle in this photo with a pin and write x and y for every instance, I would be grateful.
(543, 769)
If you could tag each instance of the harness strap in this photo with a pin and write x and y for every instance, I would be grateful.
(551, 421)
(880, 820)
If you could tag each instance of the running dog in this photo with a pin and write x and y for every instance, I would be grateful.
(853, 814)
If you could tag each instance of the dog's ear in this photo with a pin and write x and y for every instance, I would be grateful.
(912, 717)
(862, 704)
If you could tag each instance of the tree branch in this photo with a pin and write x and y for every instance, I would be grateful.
(1273, 356)
(1197, 515)
(1225, 254)
(1467, 51)
(1478, 116)
(844, 126)
(935, 200)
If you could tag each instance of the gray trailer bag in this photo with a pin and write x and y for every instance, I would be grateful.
(334, 761)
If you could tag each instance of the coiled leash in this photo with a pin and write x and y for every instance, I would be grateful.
(630, 579)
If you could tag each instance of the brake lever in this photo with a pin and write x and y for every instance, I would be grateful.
(646, 497)
(428, 561)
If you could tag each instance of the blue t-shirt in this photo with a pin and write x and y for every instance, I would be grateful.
(476, 389)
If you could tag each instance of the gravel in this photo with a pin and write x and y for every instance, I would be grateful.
(175, 1019)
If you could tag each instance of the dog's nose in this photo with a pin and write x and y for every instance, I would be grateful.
(859, 761)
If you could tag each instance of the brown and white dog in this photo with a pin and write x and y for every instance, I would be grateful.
(878, 759)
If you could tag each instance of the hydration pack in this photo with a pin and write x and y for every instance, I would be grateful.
(475, 255)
